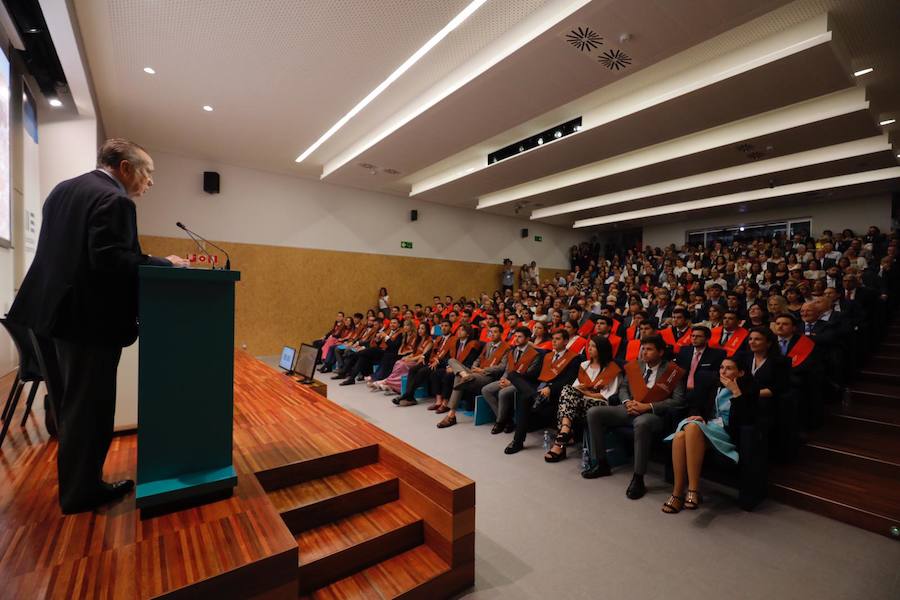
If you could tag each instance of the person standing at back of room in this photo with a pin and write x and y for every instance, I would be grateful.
(81, 292)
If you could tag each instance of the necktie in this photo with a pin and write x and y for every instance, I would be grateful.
(784, 346)
(725, 336)
(647, 375)
(809, 327)
(518, 354)
(694, 363)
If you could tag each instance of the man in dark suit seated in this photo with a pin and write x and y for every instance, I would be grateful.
(651, 387)
(81, 292)
(536, 404)
(806, 373)
(700, 363)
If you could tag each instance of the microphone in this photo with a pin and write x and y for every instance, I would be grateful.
(194, 235)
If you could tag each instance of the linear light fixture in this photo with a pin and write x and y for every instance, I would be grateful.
(862, 72)
(888, 121)
(409, 62)
(664, 82)
(878, 143)
(785, 190)
(779, 119)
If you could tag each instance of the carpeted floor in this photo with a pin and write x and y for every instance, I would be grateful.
(544, 532)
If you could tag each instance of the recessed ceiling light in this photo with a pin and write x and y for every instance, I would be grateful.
(862, 72)
(150, 70)
(207, 108)
(557, 134)
(540, 141)
(55, 102)
(33, 30)
(409, 62)
(887, 121)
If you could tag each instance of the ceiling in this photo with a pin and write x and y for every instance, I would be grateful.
(667, 89)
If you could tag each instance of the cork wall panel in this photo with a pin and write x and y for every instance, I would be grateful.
(289, 295)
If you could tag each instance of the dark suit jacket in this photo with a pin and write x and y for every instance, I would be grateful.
(773, 375)
(82, 284)
(744, 408)
(707, 373)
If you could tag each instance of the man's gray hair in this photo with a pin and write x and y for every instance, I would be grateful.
(115, 150)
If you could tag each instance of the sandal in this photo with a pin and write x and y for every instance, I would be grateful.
(674, 505)
(561, 441)
(692, 500)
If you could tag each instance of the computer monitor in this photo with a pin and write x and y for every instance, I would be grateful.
(306, 361)
(288, 356)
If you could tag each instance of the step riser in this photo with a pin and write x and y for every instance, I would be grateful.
(868, 399)
(318, 513)
(342, 564)
(875, 523)
(306, 470)
(880, 376)
(882, 363)
(862, 464)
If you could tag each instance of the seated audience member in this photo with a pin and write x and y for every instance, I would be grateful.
(336, 329)
(650, 388)
(700, 363)
(632, 349)
(730, 337)
(388, 360)
(714, 316)
(535, 404)
(339, 334)
(489, 365)
(421, 374)
(756, 317)
(349, 334)
(523, 359)
(413, 354)
(678, 334)
(385, 343)
(461, 353)
(576, 343)
(345, 355)
(804, 407)
(596, 384)
(768, 367)
(541, 337)
(604, 328)
(777, 304)
(714, 422)
(734, 303)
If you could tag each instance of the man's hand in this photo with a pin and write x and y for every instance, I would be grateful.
(504, 382)
(478, 370)
(636, 408)
(545, 392)
(177, 261)
(449, 369)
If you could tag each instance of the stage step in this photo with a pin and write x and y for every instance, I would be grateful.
(339, 549)
(874, 392)
(844, 487)
(313, 503)
(879, 441)
(315, 468)
(883, 375)
(880, 413)
(416, 573)
(883, 362)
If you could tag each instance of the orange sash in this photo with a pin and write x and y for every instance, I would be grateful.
(495, 358)
(392, 337)
(442, 349)
(548, 345)
(586, 329)
(408, 344)
(367, 334)
(633, 350)
(629, 332)
(525, 360)
(424, 345)
(603, 378)
(485, 335)
(614, 341)
(551, 369)
(734, 342)
(667, 336)
(801, 350)
(455, 325)
(578, 344)
(467, 349)
(684, 341)
(616, 326)
(662, 388)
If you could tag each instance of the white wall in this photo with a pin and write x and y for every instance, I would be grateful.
(257, 207)
(857, 214)
(67, 149)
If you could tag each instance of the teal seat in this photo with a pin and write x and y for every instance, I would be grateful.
(483, 412)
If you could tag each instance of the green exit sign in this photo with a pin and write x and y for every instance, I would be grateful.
(539, 238)
(407, 245)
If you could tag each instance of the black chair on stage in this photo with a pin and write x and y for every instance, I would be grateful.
(29, 372)
(45, 352)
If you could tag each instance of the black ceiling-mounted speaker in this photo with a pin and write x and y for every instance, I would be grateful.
(524, 233)
(210, 182)
(413, 215)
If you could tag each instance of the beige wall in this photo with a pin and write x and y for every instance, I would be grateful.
(290, 295)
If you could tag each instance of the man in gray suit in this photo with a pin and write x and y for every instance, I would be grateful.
(651, 387)
(523, 359)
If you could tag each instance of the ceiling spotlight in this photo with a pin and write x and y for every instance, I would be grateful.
(741, 228)
(55, 102)
(33, 30)
(207, 108)
(521, 148)
(557, 134)
(540, 141)
(577, 128)
(149, 70)
(887, 121)
(862, 72)
(625, 37)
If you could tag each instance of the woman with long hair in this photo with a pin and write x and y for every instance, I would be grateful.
(411, 353)
(597, 382)
(540, 336)
(384, 301)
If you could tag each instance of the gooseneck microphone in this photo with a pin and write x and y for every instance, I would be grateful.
(195, 236)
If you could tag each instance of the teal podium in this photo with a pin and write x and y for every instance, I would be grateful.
(185, 386)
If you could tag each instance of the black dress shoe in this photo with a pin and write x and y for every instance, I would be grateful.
(513, 447)
(338, 375)
(601, 469)
(324, 370)
(497, 428)
(636, 489)
(349, 381)
(397, 399)
(108, 492)
(509, 427)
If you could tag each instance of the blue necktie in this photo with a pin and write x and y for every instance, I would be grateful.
(784, 347)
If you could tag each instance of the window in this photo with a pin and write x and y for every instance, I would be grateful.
(750, 231)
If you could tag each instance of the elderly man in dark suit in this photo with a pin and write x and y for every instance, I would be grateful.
(81, 292)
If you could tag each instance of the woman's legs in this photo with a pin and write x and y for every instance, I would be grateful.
(695, 448)
(679, 463)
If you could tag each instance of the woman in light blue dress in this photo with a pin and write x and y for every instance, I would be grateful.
(713, 423)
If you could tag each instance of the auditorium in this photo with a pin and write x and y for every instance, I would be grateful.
(426, 299)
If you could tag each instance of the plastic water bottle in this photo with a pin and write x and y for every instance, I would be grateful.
(546, 440)
(585, 458)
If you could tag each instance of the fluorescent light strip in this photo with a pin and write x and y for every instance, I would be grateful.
(862, 72)
(613, 106)
(780, 119)
(538, 23)
(888, 121)
(434, 41)
(783, 163)
(785, 190)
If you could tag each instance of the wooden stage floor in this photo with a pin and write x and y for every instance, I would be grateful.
(290, 445)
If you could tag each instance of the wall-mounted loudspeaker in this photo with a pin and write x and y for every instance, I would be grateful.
(210, 182)
(414, 215)
(524, 233)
